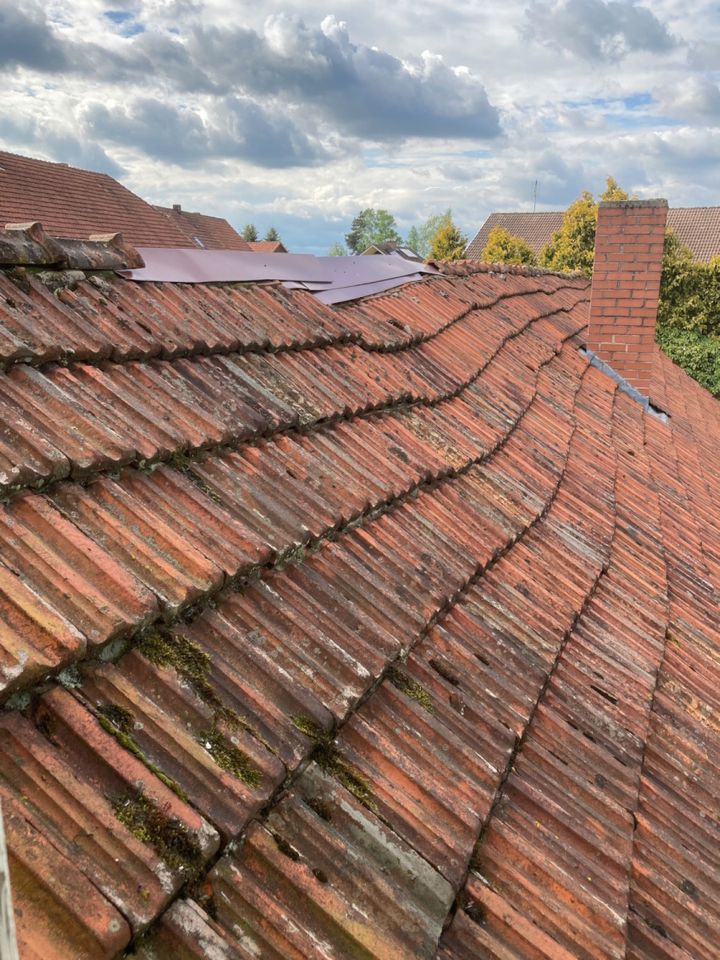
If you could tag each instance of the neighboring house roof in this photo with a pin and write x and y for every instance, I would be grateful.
(77, 203)
(390, 247)
(352, 631)
(209, 233)
(697, 227)
(535, 228)
(267, 246)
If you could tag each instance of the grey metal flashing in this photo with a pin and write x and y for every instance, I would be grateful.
(625, 386)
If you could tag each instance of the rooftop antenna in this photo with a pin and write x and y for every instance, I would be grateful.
(535, 196)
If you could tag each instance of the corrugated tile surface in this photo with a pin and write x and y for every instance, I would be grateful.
(372, 631)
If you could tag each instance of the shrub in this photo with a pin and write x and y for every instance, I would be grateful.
(505, 247)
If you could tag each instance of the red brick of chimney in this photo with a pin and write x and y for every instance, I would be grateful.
(626, 287)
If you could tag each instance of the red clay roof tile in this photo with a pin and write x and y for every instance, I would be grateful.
(267, 246)
(209, 233)
(77, 203)
(382, 629)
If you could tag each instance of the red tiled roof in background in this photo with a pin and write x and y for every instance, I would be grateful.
(267, 246)
(697, 227)
(535, 228)
(77, 203)
(210, 233)
(338, 632)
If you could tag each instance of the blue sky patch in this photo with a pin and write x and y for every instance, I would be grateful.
(126, 21)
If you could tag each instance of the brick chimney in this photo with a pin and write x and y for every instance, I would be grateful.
(626, 286)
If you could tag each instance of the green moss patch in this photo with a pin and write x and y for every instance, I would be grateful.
(203, 486)
(229, 757)
(168, 836)
(411, 688)
(120, 719)
(309, 727)
(329, 759)
(170, 649)
(119, 723)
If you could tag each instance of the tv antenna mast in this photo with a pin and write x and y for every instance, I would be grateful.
(535, 196)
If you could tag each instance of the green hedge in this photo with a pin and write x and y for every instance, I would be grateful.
(688, 327)
(697, 353)
(690, 291)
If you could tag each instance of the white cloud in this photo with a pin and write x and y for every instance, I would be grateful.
(305, 114)
(597, 29)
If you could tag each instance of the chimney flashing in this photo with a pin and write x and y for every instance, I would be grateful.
(624, 386)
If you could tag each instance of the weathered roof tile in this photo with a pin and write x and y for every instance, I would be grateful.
(377, 594)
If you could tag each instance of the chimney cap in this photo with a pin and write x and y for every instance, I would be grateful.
(632, 204)
(177, 207)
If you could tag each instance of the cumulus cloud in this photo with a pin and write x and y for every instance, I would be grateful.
(695, 96)
(241, 129)
(362, 90)
(56, 142)
(359, 90)
(26, 40)
(704, 55)
(597, 29)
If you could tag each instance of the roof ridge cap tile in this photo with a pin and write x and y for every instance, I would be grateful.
(455, 268)
(28, 245)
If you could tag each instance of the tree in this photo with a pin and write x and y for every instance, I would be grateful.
(448, 243)
(250, 233)
(572, 247)
(420, 238)
(689, 290)
(272, 235)
(505, 247)
(371, 226)
(337, 250)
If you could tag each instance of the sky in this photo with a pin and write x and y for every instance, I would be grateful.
(298, 115)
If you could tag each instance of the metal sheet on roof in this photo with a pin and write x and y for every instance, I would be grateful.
(175, 265)
(333, 294)
(337, 279)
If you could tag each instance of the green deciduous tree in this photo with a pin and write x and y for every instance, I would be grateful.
(420, 238)
(448, 243)
(572, 247)
(250, 233)
(505, 247)
(371, 226)
(337, 250)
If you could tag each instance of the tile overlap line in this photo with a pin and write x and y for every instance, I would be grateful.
(241, 577)
(201, 450)
(436, 619)
(461, 899)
